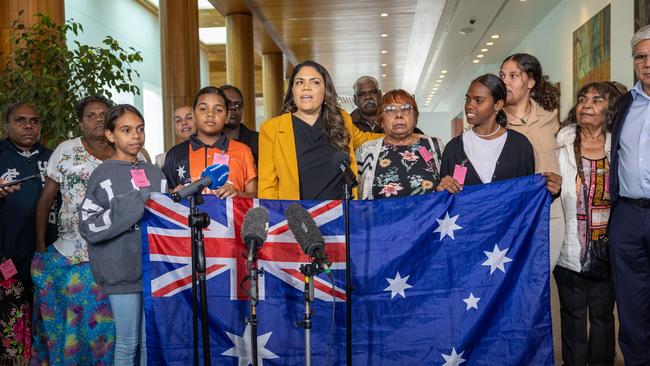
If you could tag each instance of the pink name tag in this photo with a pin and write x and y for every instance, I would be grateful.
(140, 178)
(222, 159)
(8, 269)
(459, 173)
(426, 155)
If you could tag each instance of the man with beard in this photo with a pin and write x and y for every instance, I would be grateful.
(366, 97)
(234, 128)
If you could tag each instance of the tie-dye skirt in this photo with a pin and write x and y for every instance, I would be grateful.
(73, 323)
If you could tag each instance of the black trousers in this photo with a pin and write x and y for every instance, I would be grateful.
(629, 243)
(583, 299)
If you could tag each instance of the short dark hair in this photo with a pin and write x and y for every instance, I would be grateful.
(231, 87)
(118, 111)
(81, 105)
(211, 90)
(13, 106)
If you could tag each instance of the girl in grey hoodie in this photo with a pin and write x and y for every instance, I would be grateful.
(110, 214)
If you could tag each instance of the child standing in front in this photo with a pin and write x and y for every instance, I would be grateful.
(110, 214)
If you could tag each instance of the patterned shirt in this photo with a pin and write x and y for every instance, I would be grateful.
(593, 202)
(405, 170)
(70, 166)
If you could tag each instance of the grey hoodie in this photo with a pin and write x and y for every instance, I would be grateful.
(110, 216)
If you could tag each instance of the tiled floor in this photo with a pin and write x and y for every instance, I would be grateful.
(557, 342)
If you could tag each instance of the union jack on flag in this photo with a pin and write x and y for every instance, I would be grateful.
(167, 277)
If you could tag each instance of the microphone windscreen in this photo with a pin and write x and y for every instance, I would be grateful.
(218, 173)
(255, 226)
(340, 157)
(304, 229)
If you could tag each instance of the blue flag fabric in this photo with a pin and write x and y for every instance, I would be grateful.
(436, 279)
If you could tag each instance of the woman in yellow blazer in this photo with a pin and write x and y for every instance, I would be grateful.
(296, 148)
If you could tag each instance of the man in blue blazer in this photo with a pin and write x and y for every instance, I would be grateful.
(629, 230)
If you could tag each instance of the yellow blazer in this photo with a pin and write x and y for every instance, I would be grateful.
(278, 164)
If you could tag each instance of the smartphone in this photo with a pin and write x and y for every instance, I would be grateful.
(13, 183)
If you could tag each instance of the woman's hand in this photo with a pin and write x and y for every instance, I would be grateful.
(227, 191)
(6, 190)
(450, 185)
(553, 183)
(177, 188)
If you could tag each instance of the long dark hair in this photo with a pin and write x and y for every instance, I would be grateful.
(333, 125)
(544, 93)
(611, 92)
(498, 91)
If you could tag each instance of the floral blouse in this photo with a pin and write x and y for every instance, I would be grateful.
(71, 165)
(405, 170)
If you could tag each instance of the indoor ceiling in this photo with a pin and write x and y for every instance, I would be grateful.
(403, 43)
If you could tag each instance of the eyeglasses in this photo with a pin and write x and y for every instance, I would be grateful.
(640, 58)
(391, 110)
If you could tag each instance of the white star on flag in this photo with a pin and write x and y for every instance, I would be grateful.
(447, 226)
(471, 301)
(454, 359)
(397, 285)
(242, 348)
(181, 172)
(496, 259)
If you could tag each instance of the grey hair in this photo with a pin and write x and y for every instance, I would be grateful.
(365, 79)
(640, 35)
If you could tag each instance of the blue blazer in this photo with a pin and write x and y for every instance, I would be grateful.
(622, 107)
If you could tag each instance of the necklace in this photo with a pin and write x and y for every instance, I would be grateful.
(489, 134)
(522, 118)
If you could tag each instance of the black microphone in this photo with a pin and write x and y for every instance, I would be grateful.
(254, 229)
(308, 235)
(212, 177)
(341, 161)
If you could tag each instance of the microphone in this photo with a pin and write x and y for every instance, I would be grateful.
(254, 229)
(308, 235)
(341, 161)
(212, 177)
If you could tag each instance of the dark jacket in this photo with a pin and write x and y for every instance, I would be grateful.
(18, 209)
(516, 159)
(365, 127)
(622, 107)
(249, 138)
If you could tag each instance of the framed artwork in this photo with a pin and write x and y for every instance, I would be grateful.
(641, 13)
(591, 50)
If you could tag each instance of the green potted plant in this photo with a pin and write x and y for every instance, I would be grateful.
(41, 69)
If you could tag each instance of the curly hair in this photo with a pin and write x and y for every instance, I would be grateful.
(333, 127)
(544, 93)
(611, 92)
(83, 103)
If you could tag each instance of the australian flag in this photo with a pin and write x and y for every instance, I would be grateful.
(436, 280)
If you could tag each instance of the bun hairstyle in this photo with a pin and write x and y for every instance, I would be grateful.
(333, 127)
(544, 93)
(498, 91)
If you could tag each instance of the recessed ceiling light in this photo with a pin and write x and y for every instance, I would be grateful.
(489, 43)
(438, 81)
(435, 89)
(476, 61)
(384, 35)
(495, 36)
(466, 31)
(479, 56)
(484, 49)
(383, 75)
(443, 71)
(442, 76)
(384, 14)
(523, 1)
(436, 84)
(384, 65)
(384, 51)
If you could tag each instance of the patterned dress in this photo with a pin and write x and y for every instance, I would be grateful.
(73, 323)
(593, 202)
(405, 170)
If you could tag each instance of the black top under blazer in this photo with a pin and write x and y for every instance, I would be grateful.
(516, 159)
